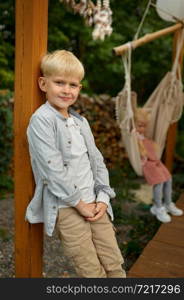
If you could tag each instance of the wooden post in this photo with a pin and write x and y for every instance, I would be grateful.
(31, 44)
(172, 132)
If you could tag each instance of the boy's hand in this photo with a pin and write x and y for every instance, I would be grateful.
(100, 210)
(86, 209)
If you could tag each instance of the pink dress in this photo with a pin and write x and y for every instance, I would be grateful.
(153, 169)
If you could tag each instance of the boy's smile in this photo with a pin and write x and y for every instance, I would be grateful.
(61, 91)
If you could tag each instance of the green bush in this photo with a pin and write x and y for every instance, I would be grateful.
(6, 139)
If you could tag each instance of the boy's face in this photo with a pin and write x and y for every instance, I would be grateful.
(61, 91)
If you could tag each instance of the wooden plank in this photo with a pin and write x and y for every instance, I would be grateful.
(164, 255)
(159, 260)
(31, 44)
(171, 233)
(180, 202)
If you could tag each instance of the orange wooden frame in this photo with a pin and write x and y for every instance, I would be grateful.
(31, 44)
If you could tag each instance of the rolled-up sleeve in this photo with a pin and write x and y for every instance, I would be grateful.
(43, 150)
(103, 197)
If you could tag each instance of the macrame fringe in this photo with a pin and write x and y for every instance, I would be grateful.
(99, 16)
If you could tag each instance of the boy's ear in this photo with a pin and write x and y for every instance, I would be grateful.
(42, 83)
(80, 86)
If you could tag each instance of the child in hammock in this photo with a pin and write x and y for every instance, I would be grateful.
(155, 172)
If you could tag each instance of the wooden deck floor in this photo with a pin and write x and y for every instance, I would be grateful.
(163, 257)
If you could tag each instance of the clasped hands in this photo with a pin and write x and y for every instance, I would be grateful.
(91, 211)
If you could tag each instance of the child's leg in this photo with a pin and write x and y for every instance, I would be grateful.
(167, 192)
(158, 208)
(169, 205)
(109, 254)
(157, 194)
(76, 237)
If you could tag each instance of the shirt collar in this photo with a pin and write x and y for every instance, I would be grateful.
(71, 111)
(70, 122)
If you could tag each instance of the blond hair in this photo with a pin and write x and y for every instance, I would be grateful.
(62, 62)
(141, 114)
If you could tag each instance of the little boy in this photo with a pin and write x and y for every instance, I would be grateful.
(72, 182)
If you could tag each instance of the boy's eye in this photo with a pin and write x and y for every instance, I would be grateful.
(74, 85)
(63, 83)
(60, 82)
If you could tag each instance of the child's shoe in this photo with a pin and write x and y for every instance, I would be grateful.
(173, 210)
(160, 213)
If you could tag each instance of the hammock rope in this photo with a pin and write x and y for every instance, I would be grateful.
(142, 20)
(165, 105)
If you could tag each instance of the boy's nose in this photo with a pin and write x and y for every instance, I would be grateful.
(66, 88)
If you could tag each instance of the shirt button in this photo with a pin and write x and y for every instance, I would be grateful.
(66, 125)
(75, 186)
(69, 142)
(65, 165)
(49, 161)
(54, 207)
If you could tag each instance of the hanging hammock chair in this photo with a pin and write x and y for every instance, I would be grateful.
(165, 106)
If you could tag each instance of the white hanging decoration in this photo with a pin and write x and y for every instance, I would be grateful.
(99, 15)
(102, 20)
(81, 7)
(170, 10)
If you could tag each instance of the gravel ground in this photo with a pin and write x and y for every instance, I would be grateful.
(6, 238)
(55, 263)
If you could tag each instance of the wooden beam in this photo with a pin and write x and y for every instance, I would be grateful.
(172, 132)
(31, 44)
(147, 38)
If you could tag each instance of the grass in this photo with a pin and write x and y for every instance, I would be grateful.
(4, 235)
(6, 186)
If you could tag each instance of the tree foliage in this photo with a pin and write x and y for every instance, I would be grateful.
(104, 71)
(6, 140)
(7, 48)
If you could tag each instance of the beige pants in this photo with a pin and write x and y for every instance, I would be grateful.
(92, 246)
